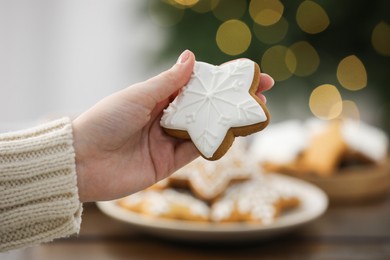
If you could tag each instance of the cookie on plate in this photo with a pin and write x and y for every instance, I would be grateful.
(320, 148)
(324, 151)
(217, 104)
(256, 200)
(166, 203)
(207, 180)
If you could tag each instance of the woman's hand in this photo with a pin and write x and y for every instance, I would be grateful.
(119, 143)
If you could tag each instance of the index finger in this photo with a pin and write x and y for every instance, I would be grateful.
(266, 82)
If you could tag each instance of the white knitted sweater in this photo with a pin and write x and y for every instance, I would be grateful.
(38, 187)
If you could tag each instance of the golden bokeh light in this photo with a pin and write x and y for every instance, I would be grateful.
(380, 38)
(204, 6)
(273, 33)
(350, 110)
(279, 62)
(266, 12)
(233, 37)
(229, 9)
(186, 3)
(311, 17)
(164, 13)
(307, 58)
(325, 102)
(351, 73)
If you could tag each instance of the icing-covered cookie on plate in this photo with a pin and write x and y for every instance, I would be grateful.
(207, 180)
(257, 200)
(217, 104)
(166, 203)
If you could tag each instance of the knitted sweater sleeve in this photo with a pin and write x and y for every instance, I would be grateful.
(38, 187)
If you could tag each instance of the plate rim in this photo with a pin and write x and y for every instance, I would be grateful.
(111, 209)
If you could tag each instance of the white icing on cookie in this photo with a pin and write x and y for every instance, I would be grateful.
(368, 140)
(281, 142)
(215, 99)
(209, 179)
(165, 203)
(254, 200)
(258, 199)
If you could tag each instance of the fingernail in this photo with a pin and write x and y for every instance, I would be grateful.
(183, 57)
(271, 78)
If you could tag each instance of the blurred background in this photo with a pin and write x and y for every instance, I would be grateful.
(329, 59)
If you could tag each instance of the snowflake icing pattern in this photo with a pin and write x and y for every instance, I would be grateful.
(215, 99)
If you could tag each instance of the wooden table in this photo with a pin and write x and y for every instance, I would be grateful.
(343, 232)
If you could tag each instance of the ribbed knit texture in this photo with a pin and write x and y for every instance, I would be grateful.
(38, 186)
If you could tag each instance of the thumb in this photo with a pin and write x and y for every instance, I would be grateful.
(168, 82)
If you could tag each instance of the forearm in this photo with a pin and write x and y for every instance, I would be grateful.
(38, 186)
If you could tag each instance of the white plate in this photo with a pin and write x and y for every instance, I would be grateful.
(314, 202)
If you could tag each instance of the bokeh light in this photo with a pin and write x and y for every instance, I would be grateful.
(204, 6)
(351, 73)
(186, 3)
(311, 17)
(229, 9)
(233, 37)
(325, 102)
(165, 14)
(350, 110)
(273, 33)
(380, 38)
(307, 58)
(303, 44)
(266, 12)
(279, 62)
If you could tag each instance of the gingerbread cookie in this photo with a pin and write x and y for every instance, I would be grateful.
(257, 200)
(321, 148)
(367, 143)
(325, 150)
(217, 104)
(209, 179)
(166, 203)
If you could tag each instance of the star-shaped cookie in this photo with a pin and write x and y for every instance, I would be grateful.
(208, 180)
(260, 200)
(217, 104)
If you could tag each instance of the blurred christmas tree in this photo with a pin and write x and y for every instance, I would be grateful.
(339, 50)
